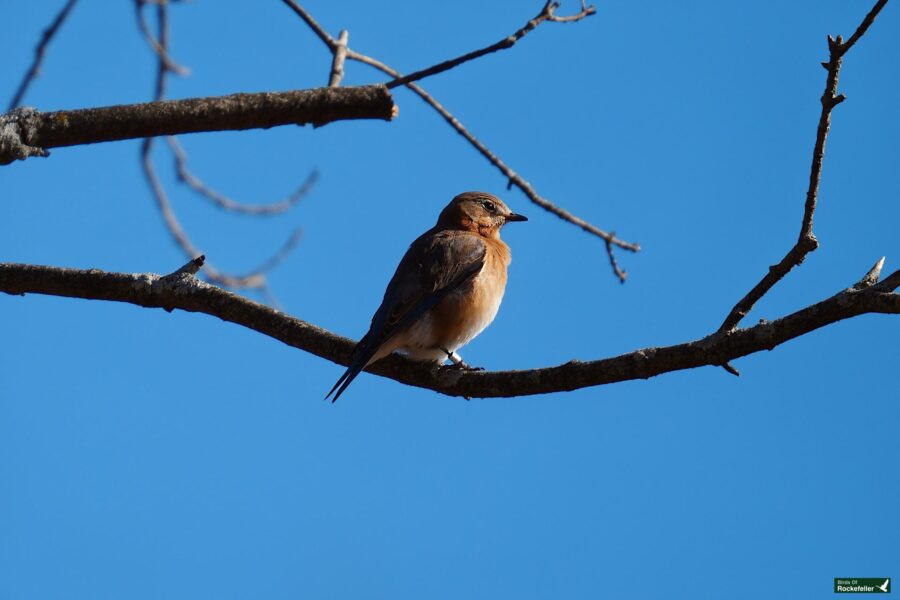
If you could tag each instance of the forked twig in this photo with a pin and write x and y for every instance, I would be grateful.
(513, 178)
(256, 279)
(807, 242)
(547, 14)
(340, 56)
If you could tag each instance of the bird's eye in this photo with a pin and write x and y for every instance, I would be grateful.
(488, 205)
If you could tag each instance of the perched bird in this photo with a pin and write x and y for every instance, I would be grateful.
(445, 291)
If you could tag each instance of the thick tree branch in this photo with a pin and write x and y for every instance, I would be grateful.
(806, 241)
(27, 132)
(183, 291)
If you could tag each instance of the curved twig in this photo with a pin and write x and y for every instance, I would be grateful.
(513, 178)
(224, 202)
(547, 14)
(255, 279)
(159, 48)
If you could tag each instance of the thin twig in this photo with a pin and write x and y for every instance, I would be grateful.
(731, 369)
(256, 279)
(513, 179)
(272, 208)
(317, 29)
(546, 14)
(864, 26)
(806, 241)
(39, 53)
(872, 277)
(276, 259)
(161, 49)
(340, 56)
(585, 11)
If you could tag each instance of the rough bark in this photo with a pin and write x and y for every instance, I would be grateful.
(183, 291)
(26, 132)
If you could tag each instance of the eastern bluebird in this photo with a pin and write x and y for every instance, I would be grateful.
(445, 291)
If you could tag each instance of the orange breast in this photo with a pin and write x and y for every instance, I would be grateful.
(464, 314)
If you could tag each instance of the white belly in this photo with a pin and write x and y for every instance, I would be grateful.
(474, 308)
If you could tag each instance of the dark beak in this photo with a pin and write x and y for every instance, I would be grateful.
(515, 217)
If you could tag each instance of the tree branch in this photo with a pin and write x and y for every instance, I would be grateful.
(807, 242)
(255, 279)
(187, 177)
(546, 14)
(158, 46)
(513, 179)
(183, 291)
(340, 56)
(27, 132)
(864, 26)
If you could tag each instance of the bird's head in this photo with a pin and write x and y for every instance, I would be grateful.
(479, 212)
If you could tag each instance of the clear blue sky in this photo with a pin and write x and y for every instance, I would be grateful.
(146, 454)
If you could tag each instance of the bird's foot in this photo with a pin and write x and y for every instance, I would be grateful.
(461, 366)
(458, 363)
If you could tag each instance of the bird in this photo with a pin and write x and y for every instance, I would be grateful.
(884, 586)
(445, 291)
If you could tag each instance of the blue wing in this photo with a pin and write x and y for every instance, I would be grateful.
(436, 264)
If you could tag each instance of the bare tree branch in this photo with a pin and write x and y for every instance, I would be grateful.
(161, 50)
(864, 26)
(224, 202)
(513, 179)
(26, 132)
(889, 283)
(317, 29)
(546, 14)
(39, 53)
(183, 291)
(255, 279)
(807, 241)
(340, 56)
